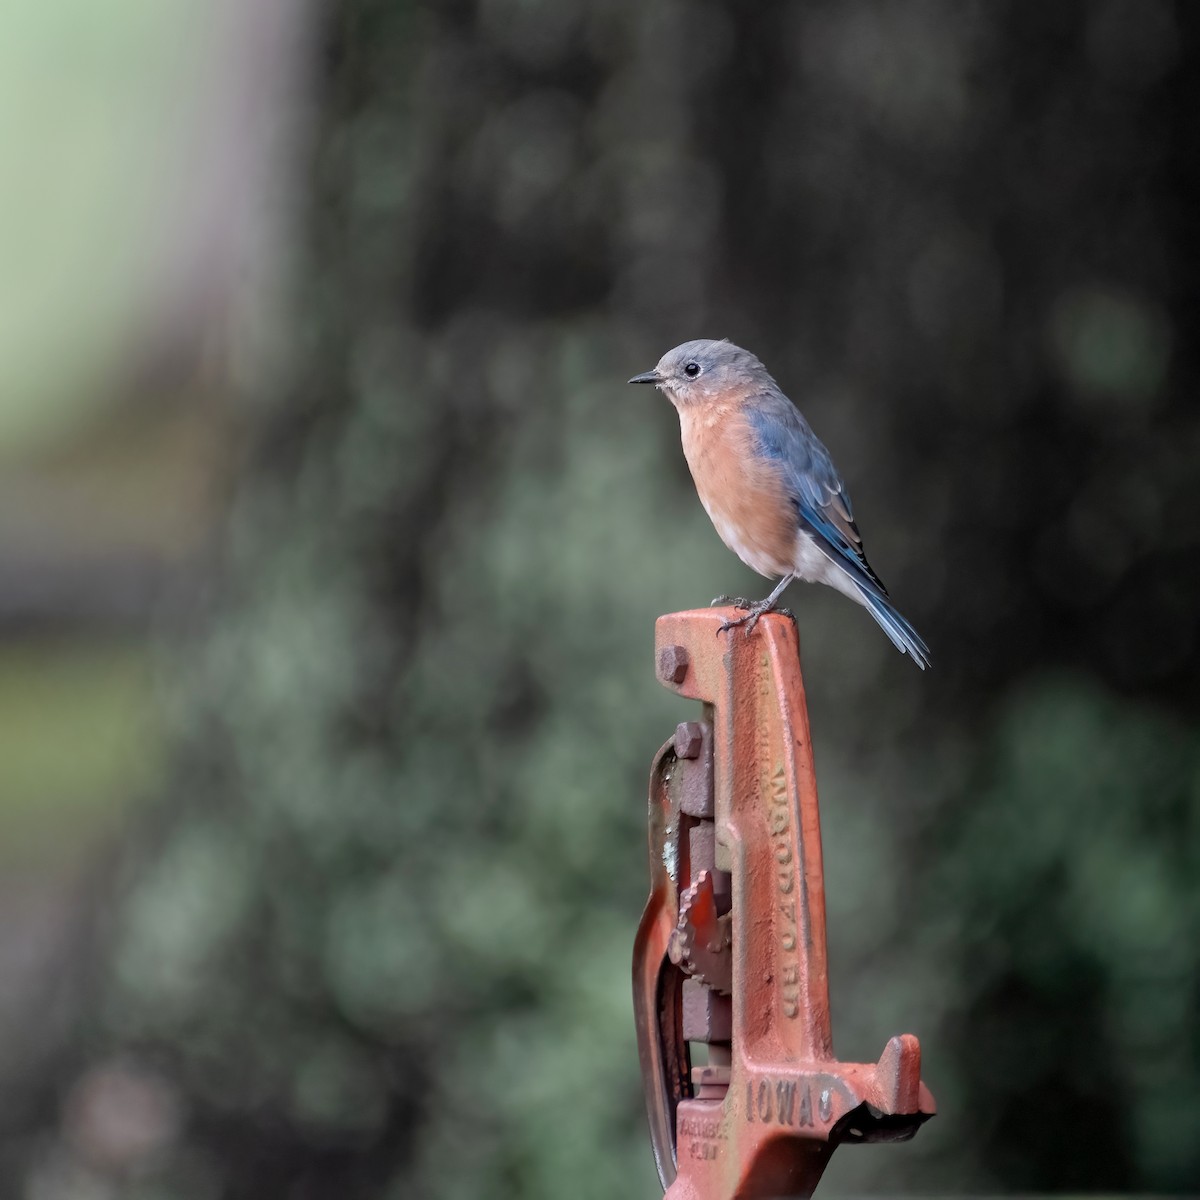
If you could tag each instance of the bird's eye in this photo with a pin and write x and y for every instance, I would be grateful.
(692, 370)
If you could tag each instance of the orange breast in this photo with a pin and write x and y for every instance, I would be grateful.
(742, 493)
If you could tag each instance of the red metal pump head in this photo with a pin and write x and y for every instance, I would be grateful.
(731, 946)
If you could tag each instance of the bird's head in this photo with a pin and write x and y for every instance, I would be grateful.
(698, 372)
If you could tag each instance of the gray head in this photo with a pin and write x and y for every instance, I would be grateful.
(697, 372)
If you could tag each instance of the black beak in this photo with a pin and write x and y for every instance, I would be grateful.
(647, 377)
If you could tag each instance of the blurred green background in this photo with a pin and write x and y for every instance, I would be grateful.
(331, 543)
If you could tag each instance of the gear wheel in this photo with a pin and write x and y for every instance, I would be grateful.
(700, 942)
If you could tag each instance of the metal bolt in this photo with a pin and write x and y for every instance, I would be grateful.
(672, 664)
(689, 738)
(707, 1017)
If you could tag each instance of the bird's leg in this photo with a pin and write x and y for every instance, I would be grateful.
(756, 610)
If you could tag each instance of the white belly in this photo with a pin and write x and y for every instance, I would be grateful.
(815, 567)
(807, 563)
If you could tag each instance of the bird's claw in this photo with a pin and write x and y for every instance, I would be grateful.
(754, 611)
(749, 620)
(739, 602)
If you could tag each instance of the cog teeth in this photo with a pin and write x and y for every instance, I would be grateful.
(700, 942)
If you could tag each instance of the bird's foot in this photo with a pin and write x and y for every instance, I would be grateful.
(753, 612)
(739, 602)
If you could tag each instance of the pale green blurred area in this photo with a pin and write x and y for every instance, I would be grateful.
(112, 435)
(97, 108)
(128, 241)
(100, 107)
(79, 740)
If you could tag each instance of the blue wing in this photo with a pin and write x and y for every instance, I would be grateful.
(822, 503)
(823, 509)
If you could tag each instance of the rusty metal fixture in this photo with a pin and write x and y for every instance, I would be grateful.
(695, 785)
(701, 939)
(672, 664)
(689, 738)
(737, 906)
(707, 1015)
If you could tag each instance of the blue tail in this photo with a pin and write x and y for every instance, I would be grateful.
(904, 637)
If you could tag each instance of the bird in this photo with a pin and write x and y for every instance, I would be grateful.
(769, 485)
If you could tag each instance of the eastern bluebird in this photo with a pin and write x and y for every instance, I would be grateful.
(768, 484)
